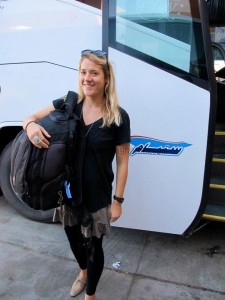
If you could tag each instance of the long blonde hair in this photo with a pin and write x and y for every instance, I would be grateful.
(111, 113)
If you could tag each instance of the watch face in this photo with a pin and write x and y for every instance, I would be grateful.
(120, 200)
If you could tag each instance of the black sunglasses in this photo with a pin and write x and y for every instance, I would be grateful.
(98, 53)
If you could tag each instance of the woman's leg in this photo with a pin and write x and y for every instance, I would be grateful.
(80, 252)
(91, 261)
(95, 265)
(77, 246)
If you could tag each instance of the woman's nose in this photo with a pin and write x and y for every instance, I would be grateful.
(87, 77)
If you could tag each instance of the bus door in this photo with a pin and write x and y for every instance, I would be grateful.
(165, 79)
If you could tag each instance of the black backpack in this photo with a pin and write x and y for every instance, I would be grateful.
(38, 176)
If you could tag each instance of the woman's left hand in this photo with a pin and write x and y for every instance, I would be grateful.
(115, 211)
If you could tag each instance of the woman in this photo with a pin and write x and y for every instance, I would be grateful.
(106, 133)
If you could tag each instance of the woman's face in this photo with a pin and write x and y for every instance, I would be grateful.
(92, 79)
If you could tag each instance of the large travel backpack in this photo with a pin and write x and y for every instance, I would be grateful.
(38, 176)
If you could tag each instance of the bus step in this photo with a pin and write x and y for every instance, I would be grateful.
(219, 140)
(218, 166)
(220, 127)
(217, 183)
(214, 212)
(219, 143)
(217, 191)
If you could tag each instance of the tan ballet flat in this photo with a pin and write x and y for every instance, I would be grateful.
(77, 287)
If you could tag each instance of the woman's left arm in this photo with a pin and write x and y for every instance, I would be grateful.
(122, 158)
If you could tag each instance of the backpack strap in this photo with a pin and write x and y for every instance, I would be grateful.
(70, 103)
(71, 98)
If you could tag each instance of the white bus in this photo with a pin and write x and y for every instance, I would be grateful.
(163, 60)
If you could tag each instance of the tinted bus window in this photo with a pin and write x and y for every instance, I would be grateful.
(164, 33)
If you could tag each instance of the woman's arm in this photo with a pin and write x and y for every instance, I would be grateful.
(122, 158)
(35, 130)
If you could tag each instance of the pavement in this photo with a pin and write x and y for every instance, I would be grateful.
(36, 263)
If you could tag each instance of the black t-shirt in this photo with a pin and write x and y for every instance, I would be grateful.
(100, 149)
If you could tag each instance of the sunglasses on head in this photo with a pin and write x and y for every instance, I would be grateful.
(98, 53)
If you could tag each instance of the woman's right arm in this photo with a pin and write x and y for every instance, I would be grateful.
(35, 130)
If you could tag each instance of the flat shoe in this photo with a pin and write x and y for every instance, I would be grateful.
(77, 287)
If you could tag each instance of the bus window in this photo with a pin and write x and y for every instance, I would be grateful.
(94, 3)
(165, 33)
(218, 56)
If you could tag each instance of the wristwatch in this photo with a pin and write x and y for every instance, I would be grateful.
(120, 200)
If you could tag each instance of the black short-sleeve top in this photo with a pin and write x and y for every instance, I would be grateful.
(100, 149)
(99, 152)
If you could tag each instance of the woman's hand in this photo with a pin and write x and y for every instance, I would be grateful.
(38, 135)
(115, 211)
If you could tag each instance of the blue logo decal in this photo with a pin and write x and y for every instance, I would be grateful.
(146, 145)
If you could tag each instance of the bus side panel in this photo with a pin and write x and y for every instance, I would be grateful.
(39, 59)
(169, 123)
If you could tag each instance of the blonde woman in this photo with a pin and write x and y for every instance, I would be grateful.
(105, 132)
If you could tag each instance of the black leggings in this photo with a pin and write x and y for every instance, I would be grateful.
(90, 259)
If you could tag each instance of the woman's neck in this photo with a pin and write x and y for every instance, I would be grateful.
(93, 102)
(92, 111)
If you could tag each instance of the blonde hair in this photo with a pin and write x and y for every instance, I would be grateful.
(111, 113)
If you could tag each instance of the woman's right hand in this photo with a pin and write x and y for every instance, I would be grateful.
(38, 136)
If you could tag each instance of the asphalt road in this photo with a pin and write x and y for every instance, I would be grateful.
(36, 263)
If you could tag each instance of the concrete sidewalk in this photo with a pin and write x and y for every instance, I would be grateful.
(36, 263)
